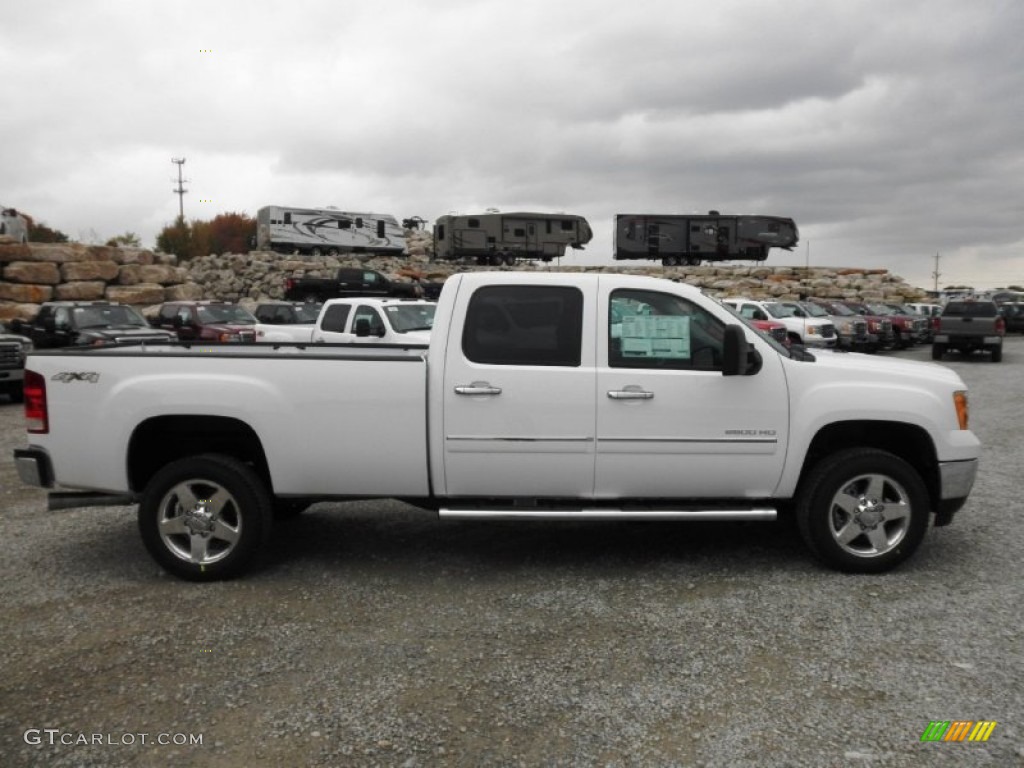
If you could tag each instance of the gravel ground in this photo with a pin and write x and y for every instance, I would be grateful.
(376, 635)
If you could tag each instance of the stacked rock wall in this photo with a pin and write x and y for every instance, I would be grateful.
(36, 272)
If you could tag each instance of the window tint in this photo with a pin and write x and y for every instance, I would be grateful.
(524, 325)
(335, 317)
(648, 329)
(567, 225)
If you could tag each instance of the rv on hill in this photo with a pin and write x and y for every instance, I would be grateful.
(505, 238)
(327, 231)
(691, 238)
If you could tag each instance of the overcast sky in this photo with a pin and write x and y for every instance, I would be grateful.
(890, 131)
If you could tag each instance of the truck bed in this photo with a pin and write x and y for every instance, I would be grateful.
(264, 386)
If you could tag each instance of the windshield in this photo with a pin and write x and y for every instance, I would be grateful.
(813, 310)
(307, 312)
(102, 317)
(224, 313)
(880, 309)
(411, 317)
(778, 310)
(841, 310)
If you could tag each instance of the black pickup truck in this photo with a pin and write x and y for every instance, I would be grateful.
(349, 281)
(967, 326)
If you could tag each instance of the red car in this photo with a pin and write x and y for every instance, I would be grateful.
(208, 321)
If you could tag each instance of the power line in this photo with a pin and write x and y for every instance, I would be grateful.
(180, 190)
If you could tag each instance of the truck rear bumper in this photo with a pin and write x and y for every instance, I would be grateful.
(33, 466)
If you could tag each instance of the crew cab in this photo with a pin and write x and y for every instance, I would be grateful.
(84, 323)
(970, 326)
(540, 396)
(207, 321)
(380, 321)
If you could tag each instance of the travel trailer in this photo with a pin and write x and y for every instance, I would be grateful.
(505, 238)
(327, 231)
(690, 239)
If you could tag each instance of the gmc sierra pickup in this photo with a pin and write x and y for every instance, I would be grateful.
(540, 396)
(967, 326)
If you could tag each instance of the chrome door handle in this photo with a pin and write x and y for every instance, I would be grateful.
(630, 394)
(477, 388)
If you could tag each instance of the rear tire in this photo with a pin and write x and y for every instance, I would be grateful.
(863, 510)
(205, 518)
(938, 350)
(997, 354)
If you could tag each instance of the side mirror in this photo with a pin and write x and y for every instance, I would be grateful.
(50, 325)
(177, 322)
(362, 327)
(736, 352)
(17, 324)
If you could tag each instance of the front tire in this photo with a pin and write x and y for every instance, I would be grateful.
(863, 510)
(205, 518)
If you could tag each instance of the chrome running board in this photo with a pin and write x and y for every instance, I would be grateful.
(695, 515)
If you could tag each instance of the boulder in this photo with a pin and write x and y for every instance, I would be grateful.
(143, 293)
(32, 272)
(22, 293)
(83, 290)
(89, 270)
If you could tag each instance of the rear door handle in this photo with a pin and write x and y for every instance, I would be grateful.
(630, 394)
(477, 388)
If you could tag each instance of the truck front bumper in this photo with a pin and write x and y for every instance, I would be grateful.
(956, 479)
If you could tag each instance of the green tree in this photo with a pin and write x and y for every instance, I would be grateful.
(40, 233)
(129, 239)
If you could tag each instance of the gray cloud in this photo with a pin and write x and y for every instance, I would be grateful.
(888, 132)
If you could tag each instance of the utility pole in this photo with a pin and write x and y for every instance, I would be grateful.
(936, 274)
(180, 190)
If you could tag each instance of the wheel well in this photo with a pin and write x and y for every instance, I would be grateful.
(911, 443)
(163, 439)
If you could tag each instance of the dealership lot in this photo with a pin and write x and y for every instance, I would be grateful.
(375, 635)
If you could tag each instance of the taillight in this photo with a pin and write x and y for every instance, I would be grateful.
(36, 417)
(289, 283)
(1000, 325)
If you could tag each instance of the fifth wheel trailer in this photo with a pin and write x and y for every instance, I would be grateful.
(504, 238)
(692, 238)
(320, 231)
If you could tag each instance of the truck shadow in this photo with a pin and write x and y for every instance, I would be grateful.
(402, 537)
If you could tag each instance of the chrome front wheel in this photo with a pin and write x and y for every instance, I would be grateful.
(863, 510)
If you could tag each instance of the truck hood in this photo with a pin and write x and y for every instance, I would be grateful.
(871, 367)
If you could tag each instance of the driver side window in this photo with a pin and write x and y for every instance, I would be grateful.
(648, 329)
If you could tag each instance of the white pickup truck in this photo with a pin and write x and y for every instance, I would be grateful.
(558, 396)
(359, 320)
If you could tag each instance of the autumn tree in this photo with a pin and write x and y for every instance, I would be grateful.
(232, 233)
(226, 233)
